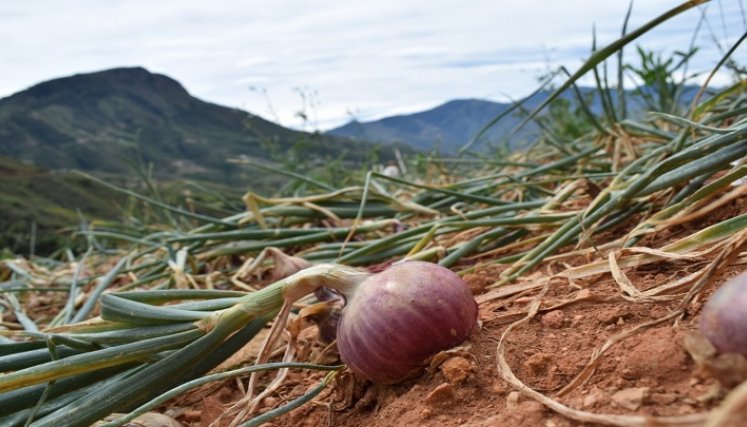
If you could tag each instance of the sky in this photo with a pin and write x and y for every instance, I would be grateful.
(333, 61)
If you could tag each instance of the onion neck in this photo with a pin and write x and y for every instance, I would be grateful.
(340, 278)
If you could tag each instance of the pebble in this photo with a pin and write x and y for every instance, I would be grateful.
(456, 369)
(441, 394)
(512, 400)
(631, 398)
(538, 364)
(577, 319)
(594, 396)
(589, 401)
(553, 319)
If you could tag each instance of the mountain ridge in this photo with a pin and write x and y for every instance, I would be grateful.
(453, 123)
(101, 121)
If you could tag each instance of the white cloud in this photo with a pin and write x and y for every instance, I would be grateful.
(368, 58)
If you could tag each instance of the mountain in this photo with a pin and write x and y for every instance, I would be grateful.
(116, 122)
(107, 121)
(449, 126)
(446, 127)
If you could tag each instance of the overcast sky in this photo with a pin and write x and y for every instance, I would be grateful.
(347, 59)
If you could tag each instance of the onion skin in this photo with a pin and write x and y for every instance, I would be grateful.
(394, 320)
(285, 265)
(328, 322)
(724, 317)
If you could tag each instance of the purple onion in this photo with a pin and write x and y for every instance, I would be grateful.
(394, 320)
(724, 317)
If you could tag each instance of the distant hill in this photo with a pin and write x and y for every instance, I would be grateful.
(50, 200)
(449, 126)
(446, 127)
(111, 123)
(43, 203)
(103, 121)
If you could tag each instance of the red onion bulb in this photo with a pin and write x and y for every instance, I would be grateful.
(394, 320)
(724, 317)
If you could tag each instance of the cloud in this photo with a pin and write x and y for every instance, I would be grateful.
(368, 58)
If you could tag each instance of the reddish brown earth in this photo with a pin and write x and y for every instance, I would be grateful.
(648, 373)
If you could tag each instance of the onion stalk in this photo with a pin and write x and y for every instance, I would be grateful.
(447, 314)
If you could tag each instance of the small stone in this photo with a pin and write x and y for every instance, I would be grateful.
(612, 316)
(593, 397)
(577, 319)
(441, 394)
(631, 398)
(538, 364)
(425, 413)
(512, 400)
(553, 319)
(576, 402)
(699, 348)
(589, 401)
(456, 369)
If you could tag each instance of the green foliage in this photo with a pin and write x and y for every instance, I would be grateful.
(660, 88)
(566, 120)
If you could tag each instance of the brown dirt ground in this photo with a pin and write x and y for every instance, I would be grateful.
(648, 373)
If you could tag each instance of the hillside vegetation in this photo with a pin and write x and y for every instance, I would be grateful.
(130, 126)
(50, 201)
(110, 120)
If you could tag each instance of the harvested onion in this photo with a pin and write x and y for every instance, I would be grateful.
(724, 317)
(394, 320)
